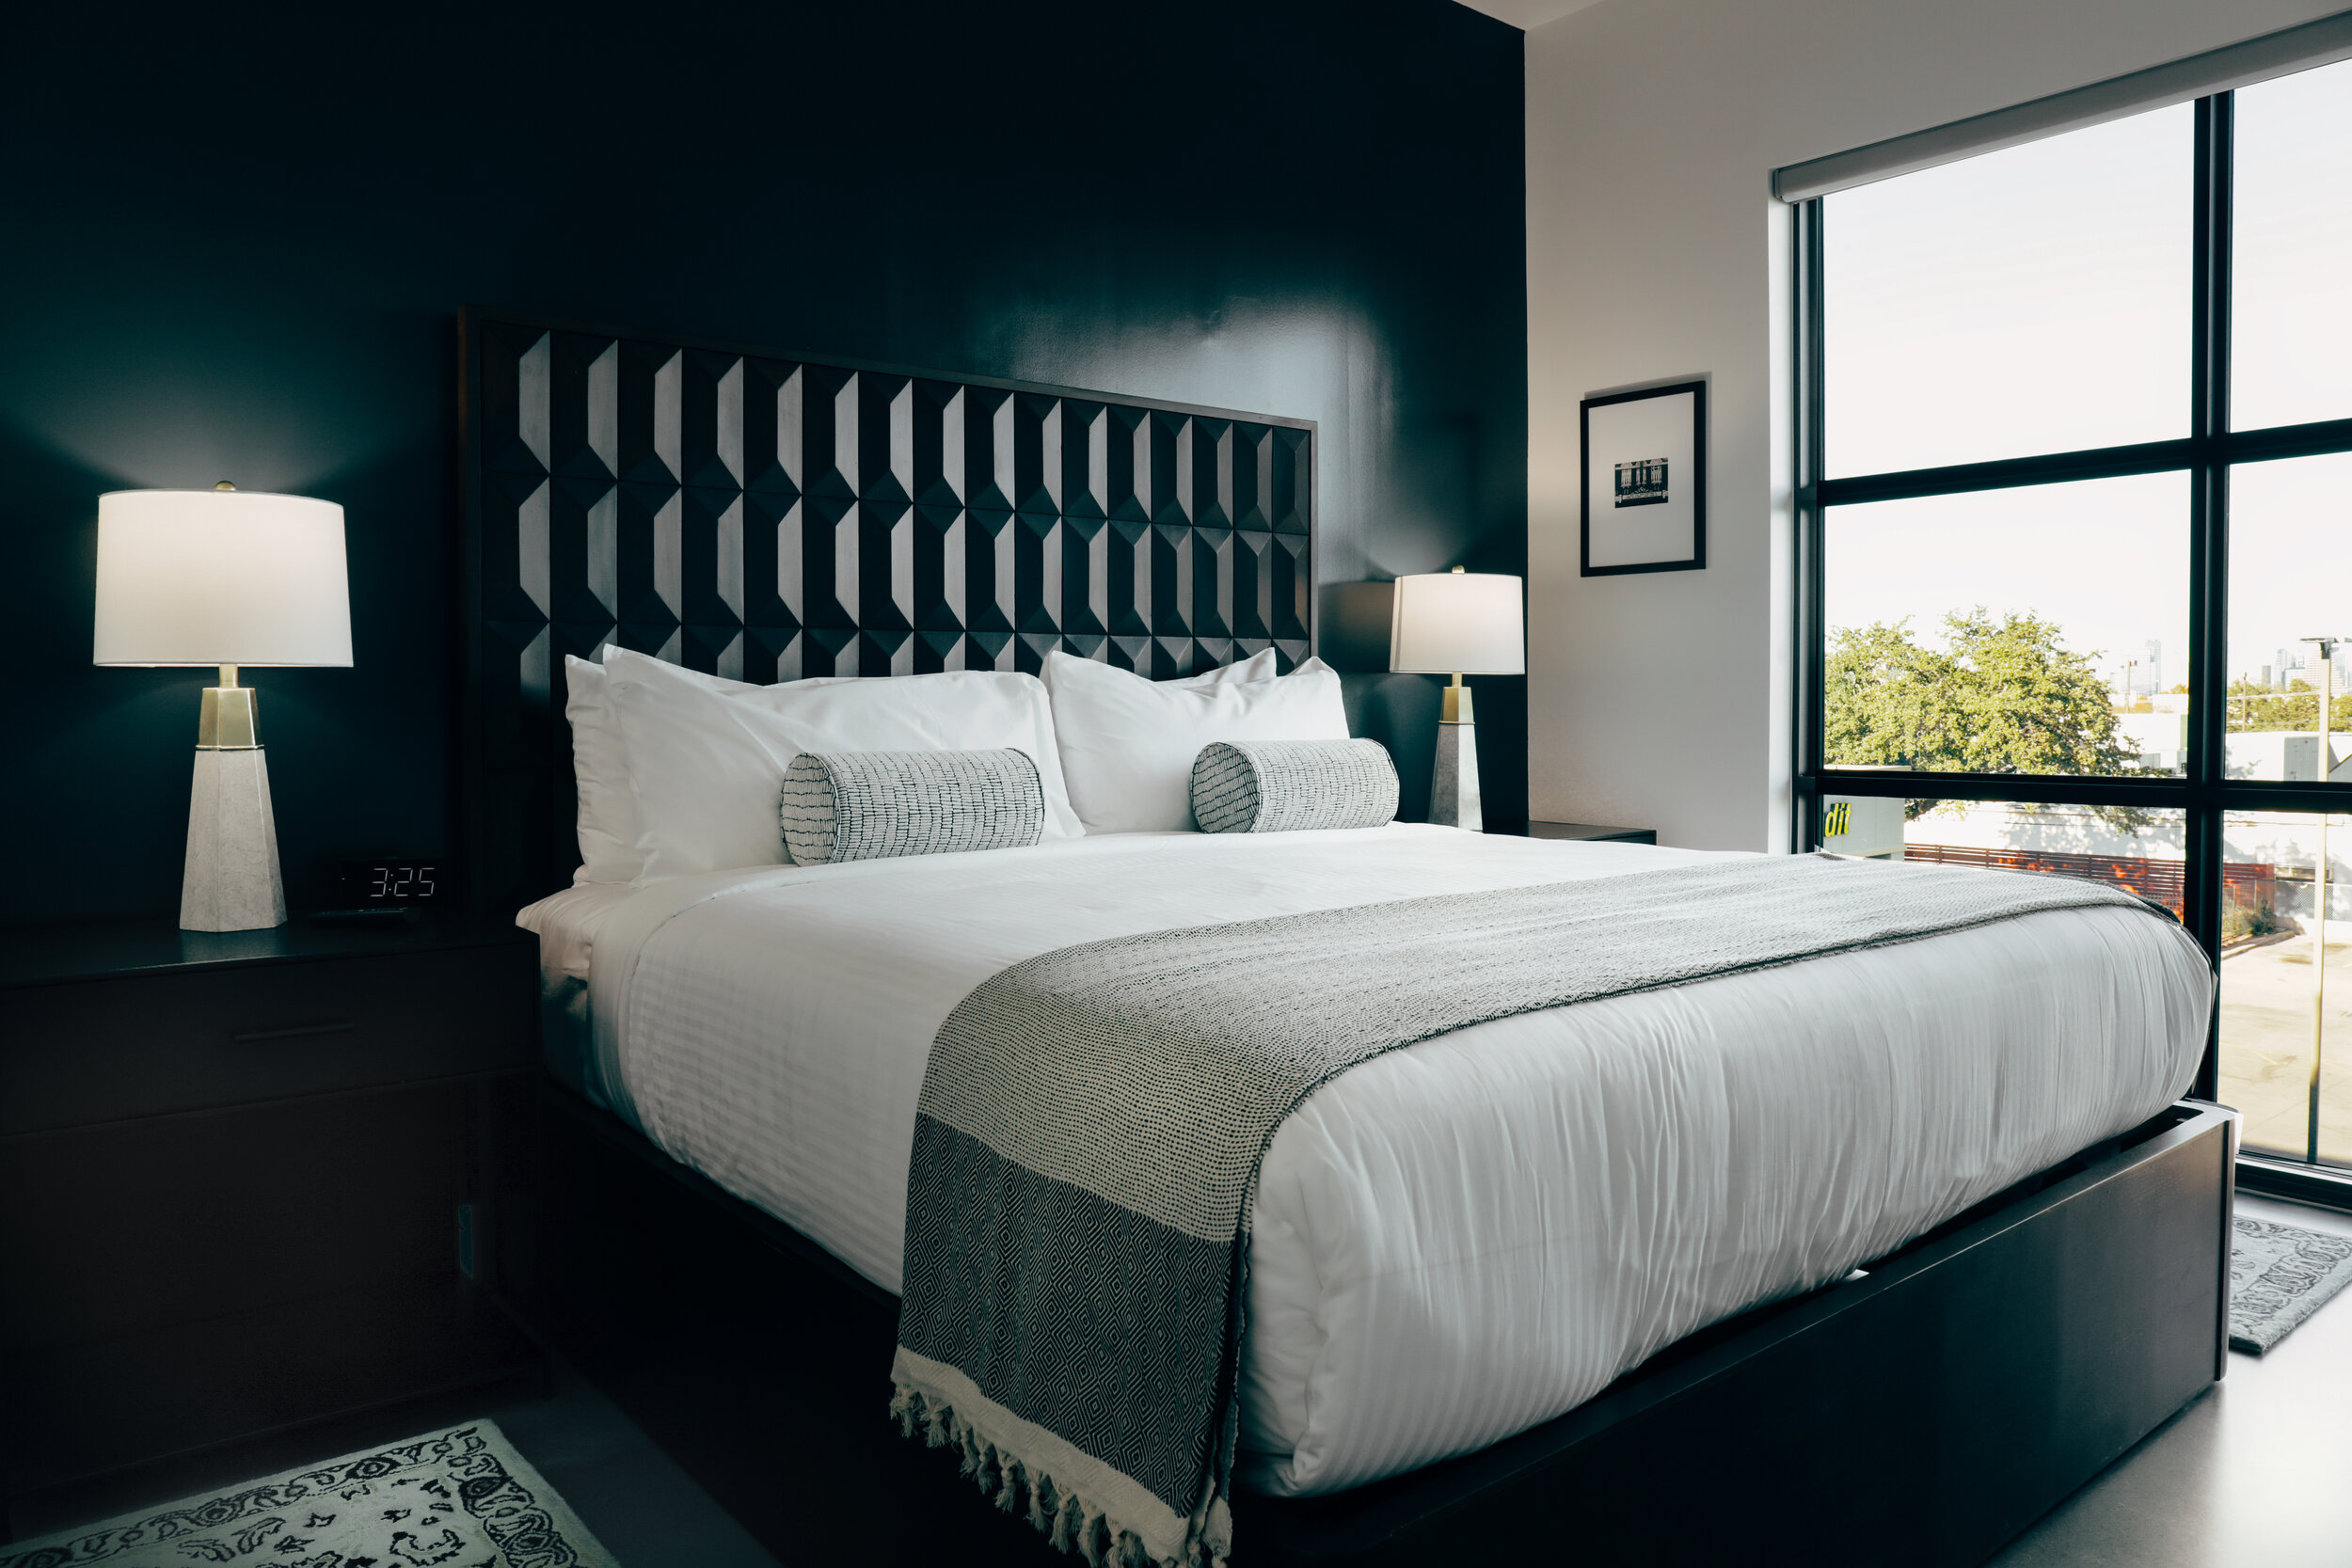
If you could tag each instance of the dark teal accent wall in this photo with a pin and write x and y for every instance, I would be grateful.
(237, 242)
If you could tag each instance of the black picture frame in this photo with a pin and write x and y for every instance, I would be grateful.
(1645, 479)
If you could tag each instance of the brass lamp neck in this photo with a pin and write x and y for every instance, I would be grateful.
(225, 723)
(1457, 708)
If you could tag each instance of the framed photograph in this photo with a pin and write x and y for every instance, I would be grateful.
(1645, 481)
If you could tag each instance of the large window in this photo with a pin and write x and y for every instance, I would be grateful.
(2076, 538)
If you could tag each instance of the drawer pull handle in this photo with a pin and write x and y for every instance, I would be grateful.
(250, 1037)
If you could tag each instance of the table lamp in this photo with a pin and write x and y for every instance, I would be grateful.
(223, 576)
(1457, 624)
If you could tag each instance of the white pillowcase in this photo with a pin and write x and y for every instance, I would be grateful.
(1259, 666)
(606, 823)
(608, 811)
(1128, 744)
(708, 768)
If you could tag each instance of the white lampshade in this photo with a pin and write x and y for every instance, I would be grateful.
(1457, 623)
(220, 577)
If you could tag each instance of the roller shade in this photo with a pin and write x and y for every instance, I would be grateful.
(2239, 65)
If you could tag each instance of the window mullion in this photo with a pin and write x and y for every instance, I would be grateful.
(1810, 584)
(2208, 639)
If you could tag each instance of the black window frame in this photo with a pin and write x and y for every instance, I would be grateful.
(2206, 454)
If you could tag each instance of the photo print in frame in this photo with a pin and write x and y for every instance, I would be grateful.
(1645, 480)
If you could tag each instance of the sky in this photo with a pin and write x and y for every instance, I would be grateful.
(2037, 300)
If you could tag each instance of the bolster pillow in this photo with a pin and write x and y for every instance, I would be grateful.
(1281, 786)
(877, 805)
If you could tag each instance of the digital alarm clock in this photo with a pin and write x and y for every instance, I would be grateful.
(391, 882)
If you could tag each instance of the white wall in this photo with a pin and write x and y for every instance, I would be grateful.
(1655, 252)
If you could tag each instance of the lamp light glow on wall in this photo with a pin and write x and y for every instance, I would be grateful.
(1457, 624)
(228, 578)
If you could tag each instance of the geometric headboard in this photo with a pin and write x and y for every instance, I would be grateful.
(769, 518)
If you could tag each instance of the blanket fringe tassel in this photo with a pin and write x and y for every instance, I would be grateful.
(1062, 1516)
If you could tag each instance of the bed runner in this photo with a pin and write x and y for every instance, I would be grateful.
(1092, 1119)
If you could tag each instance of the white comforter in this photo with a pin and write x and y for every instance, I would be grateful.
(1460, 1239)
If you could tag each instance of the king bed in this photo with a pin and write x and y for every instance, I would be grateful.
(1901, 1240)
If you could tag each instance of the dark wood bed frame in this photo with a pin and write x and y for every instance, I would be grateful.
(1925, 1411)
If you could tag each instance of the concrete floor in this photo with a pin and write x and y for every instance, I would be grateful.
(2253, 1475)
(648, 1512)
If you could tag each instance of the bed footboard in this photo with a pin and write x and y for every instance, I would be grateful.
(1924, 1413)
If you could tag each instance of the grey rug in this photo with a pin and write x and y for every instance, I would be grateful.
(2278, 1275)
(460, 1498)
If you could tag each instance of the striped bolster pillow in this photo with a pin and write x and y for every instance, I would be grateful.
(1280, 786)
(876, 805)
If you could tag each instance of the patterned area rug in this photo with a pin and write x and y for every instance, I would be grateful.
(2278, 1275)
(460, 1498)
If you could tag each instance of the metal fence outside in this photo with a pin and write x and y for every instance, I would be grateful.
(2247, 884)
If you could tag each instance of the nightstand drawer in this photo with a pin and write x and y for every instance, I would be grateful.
(83, 1052)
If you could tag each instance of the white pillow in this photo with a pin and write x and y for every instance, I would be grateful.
(1128, 744)
(607, 820)
(708, 768)
(607, 825)
(1259, 666)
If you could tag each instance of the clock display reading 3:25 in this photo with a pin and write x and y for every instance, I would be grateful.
(401, 882)
(388, 880)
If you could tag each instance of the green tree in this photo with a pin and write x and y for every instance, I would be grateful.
(2001, 696)
(2264, 707)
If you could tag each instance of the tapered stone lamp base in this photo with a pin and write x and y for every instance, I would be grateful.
(232, 882)
(1454, 784)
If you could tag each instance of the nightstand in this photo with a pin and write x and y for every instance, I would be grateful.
(250, 1179)
(1591, 832)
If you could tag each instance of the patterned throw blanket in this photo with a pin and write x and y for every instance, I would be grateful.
(1093, 1118)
